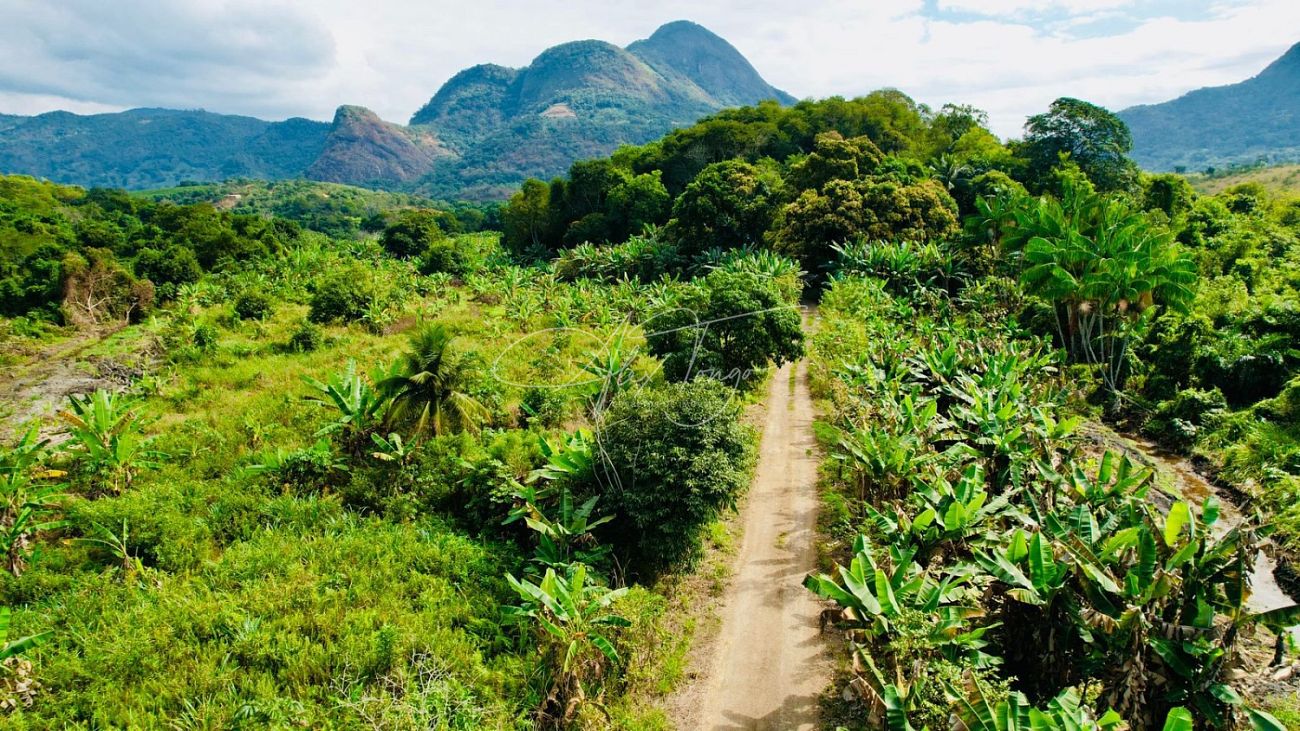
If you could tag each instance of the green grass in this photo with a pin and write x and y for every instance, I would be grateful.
(259, 608)
(1284, 179)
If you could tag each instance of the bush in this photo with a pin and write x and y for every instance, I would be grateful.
(173, 266)
(412, 233)
(252, 305)
(343, 294)
(204, 337)
(749, 323)
(676, 456)
(443, 256)
(306, 338)
(542, 406)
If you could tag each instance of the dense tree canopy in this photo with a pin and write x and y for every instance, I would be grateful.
(729, 205)
(1094, 138)
(728, 328)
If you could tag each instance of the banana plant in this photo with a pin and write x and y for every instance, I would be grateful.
(359, 406)
(882, 463)
(574, 459)
(117, 543)
(568, 617)
(392, 449)
(992, 418)
(1041, 615)
(29, 498)
(946, 515)
(108, 439)
(1164, 601)
(565, 535)
(974, 711)
(611, 371)
(875, 597)
(13, 648)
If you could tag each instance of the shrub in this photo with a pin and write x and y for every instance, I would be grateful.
(543, 406)
(175, 265)
(161, 533)
(676, 457)
(306, 338)
(344, 294)
(304, 471)
(204, 337)
(411, 233)
(443, 256)
(252, 305)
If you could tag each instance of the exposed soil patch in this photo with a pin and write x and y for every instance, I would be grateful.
(40, 387)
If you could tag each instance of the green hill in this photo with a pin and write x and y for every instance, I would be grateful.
(1257, 119)
(485, 131)
(144, 148)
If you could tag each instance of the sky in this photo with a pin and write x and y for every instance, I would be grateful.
(278, 58)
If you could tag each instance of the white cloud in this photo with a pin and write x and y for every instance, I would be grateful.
(995, 8)
(278, 58)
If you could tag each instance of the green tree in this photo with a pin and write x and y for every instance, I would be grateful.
(728, 328)
(1104, 267)
(1169, 193)
(412, 233)
(175, 265)
(729, 205)
(673, 457)
(872, 208)
(344, 293)
(526, 219)
(635, 203)
(835, 158)
(1093, 137)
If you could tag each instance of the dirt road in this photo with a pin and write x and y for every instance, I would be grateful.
(769, 663)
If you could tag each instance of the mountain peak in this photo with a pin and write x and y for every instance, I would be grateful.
(361, 147)
(684, 29)
(692, 52)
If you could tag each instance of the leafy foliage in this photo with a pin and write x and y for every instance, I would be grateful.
(427, 386)
(672, 458)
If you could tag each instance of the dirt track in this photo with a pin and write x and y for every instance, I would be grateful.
(769, 663)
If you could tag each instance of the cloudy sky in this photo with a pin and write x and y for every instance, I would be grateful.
(281, 58)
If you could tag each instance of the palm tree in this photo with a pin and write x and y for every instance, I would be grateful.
(427, 384)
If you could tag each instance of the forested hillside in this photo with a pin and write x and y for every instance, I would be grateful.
(1254, 121)
(332, 460)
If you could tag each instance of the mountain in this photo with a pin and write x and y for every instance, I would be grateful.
(1242, 123)
(487, 129)
(693, 54)
(362, 148)
(144, 148)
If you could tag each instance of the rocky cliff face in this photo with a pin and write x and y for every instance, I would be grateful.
(362, 148)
